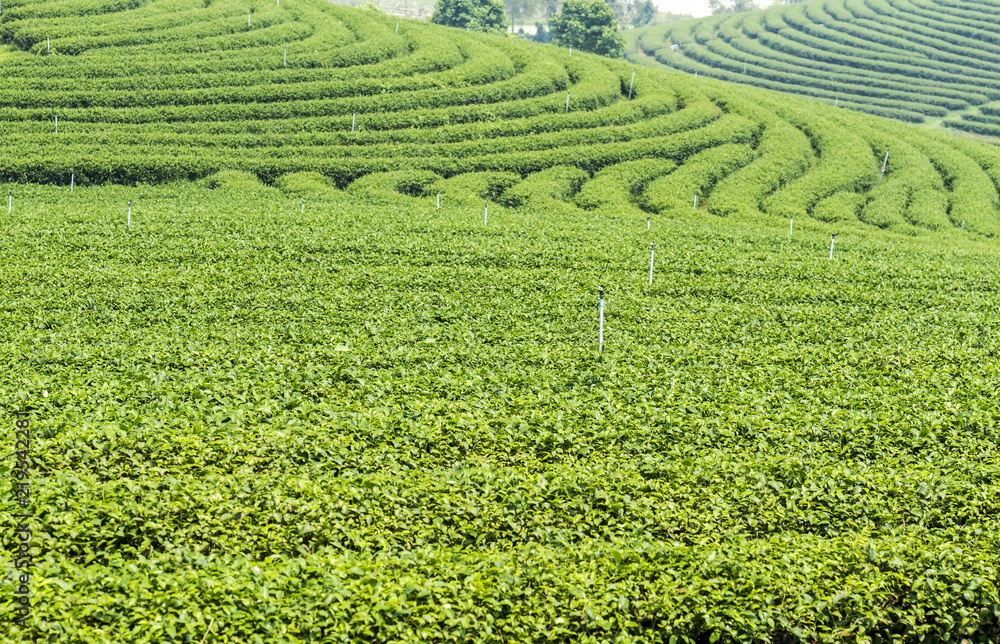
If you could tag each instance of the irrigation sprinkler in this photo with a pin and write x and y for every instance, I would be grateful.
(128, 221)
(883, 169)
(631, 83)
(833, 236)
(652, 246)
(600, 329)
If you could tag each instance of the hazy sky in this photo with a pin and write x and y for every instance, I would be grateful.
(697, 8)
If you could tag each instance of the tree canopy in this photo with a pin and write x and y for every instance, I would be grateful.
(588, 25)
(476, 15)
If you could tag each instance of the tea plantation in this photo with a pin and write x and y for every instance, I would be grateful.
(915, 60)
(309, 345)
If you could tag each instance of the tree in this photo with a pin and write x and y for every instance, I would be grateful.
(588, 25)
(475, 15)
(731, 6)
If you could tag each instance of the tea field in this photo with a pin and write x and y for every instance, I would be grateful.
(309, 345)
(914, 60)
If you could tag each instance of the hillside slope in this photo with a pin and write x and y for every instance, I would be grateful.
(908, 59)
(168, 90)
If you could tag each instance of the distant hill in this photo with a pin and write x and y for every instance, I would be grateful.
(913, 60)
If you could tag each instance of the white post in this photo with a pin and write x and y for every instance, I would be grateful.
(630, 85)
(883, 169)
(695, 207)
(600, 330)
(696, 74)
(571, 50)
(567, 101)
(353, 116)
(791, 222)
(249, 15)
(128, 222)
(397, 25)
(647, 223)
(439, 201)
(284, 61)
(832, 237)
(835, 101)
(486, 211)
(48, 42)
(651, 250)
(10, 201)
(72, 179)
(303, 211)
(744, 68)
(963, 224)
(57, 124)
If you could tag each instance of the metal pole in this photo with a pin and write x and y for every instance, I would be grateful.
(651, 251)
(883, 168)
(630, 85)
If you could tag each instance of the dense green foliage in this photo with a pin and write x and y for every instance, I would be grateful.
(475, 15)
(390, 422)
(906, 59)
(298, 401)
(588, 25)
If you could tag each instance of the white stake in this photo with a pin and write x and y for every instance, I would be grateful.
(835, 101)
(630, 85)
(963, 224)
(832, 237)
(303, 205)
(696, 74)
(744, 68)
(439, 201)
(695, 207)
(571, 50)
(567, 101)
(486, 211)
(647, 223)
(284, 61)
(883, 169)
(397, 25)
(10, 201)
(651, 250)
(48, 42)
(249, 15)
(128, 222)
(600, 330)
(353, 116)
(791, 221)
(72, 179)
(57, 124)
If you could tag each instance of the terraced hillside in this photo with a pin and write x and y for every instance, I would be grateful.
(170, 90)
(308, 343)
(914, 60)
